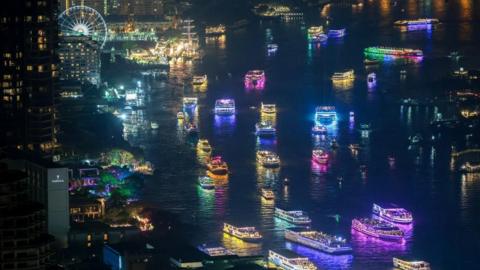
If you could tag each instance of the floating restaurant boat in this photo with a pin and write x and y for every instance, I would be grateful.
(336, 33)
(268, 159)
(392, 213)
(191, 128)
(392, 52)
(225, 107)
(318, 240)
(215, 251)
(247, 234)
(216, 30)
(325, 114)
(268, 194)
(180, 115)
(296, 217)
(319, 130)
(320, 156)
(206, 182)
(377, 228)
(216, 167)
(342, 76)
(204, 146)
(265, 129)
(255, 78)
(268, 108)
(424, 21)
(272, 47)
(410, 265)
(190, 102)
(285, 259)
(200, 80)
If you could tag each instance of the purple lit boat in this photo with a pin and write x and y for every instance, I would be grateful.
(320, 156)
(392, 213)
(377, 228)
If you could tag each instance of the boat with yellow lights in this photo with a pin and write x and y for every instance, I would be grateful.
(180, 115)
(204, 146)
(216, 167)
(410, 265)
(268, 159)
(200, 80)
(247, 234)
(343, 76)
(268, 108)
(268, 194)
(421, 21)
(286, 259)
(215, 30)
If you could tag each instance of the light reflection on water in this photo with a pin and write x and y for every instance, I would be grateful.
(320, 259)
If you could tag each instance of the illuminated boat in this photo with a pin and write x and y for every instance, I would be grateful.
(255, 78)
(296, 217)
(191, 128)
(469, 167)
(318, 240)
(325, 114)
(319, 130)
(247, 234)
(410, 265)
(204, 146)
(225, 107)
(268, 194)
(272, 47)
(392, 213)
(370, 62)
(377, 228)
(268, 159)
(336, 33)
(215, 251)
(371, 79)
(216, 167)
(206, 182)
(392, 52)
(216, 30)
(342, 76)
(265, 129)
(320, 156)
(423, 21)
(314, 31)
(180, 115)
(286, 259)
(190, 102)
(200, 80)
(268, 108)
(354, 146)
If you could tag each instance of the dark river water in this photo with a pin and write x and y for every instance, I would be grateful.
(445, 204)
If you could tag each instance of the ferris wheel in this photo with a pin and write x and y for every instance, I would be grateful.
(82, 20)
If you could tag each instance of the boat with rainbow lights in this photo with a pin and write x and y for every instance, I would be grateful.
(392, 213)
(377, 228)
(320, 156)
(316, 34)
(286, 259)
(206, 182)
(421, 21)
(216, 167)
(380, 51)
(318, 240)
(295, 217)
(224, 107)
(265, 129)
(410, 265)
(255, 79)
(268, 159)
(247, 234)
(268, 108)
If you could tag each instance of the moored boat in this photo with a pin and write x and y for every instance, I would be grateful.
(295, 217)
(224, 107)
(392, 52)
(421, 21)
(286, 259)
(345, 75)
(377, 228)
(204, 146)
(392, 213)
(268, 108)
(199, 80)
(248, 234)
(318, 240)
(410, 265)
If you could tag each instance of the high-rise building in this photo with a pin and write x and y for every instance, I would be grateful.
(24, 243)
(28, 30)
(79, 59)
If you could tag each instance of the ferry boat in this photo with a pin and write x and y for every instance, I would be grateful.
(265, 129)
(410, 265)
(393, 52)
(423, 21)
(272, 47)
(204, 146)
(180, 115)
(286, 259)
(206, 182)
(255, 78)
(268, 159)
(268, 108)
(216, 167)
(320, 156)
(189, 102)
(296, 217)
(268, 194)
(247, 234)
(371, 79)
(215, 251)
(225, 107)
(336, 33)
(319, 130)
(215, 30)
(392, 213)
(377, 228)
(318, 240)
(200, 80)
(325, 114)
(191, 128)
(342, 76)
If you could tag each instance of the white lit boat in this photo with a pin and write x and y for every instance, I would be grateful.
(268, 108)
(200, 80)
(392, 213)
(268, 159)
(377, 228)
(342, 76)
(320, 156)
(285, 259)
(319, 130)
(265, 129)
(248, 234)
(371, 79)
(215, 251)
(206, 182)
(204, 146)
(410, 265)
(296, 217)
(268, 194)
(225, 107)
(272, 47)
(318, 240)
(216, 30)
(190, 102)
(422, 21)
(336, 33)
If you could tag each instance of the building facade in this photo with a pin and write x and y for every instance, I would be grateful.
(28, 65)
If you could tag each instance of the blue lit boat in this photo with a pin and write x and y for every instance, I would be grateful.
(377, 228)
(325, 114)
(265, 129)
(318, 240)
(224, 107)
(336, 33)
(206, 182)
(392, 213)
(295, 217)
